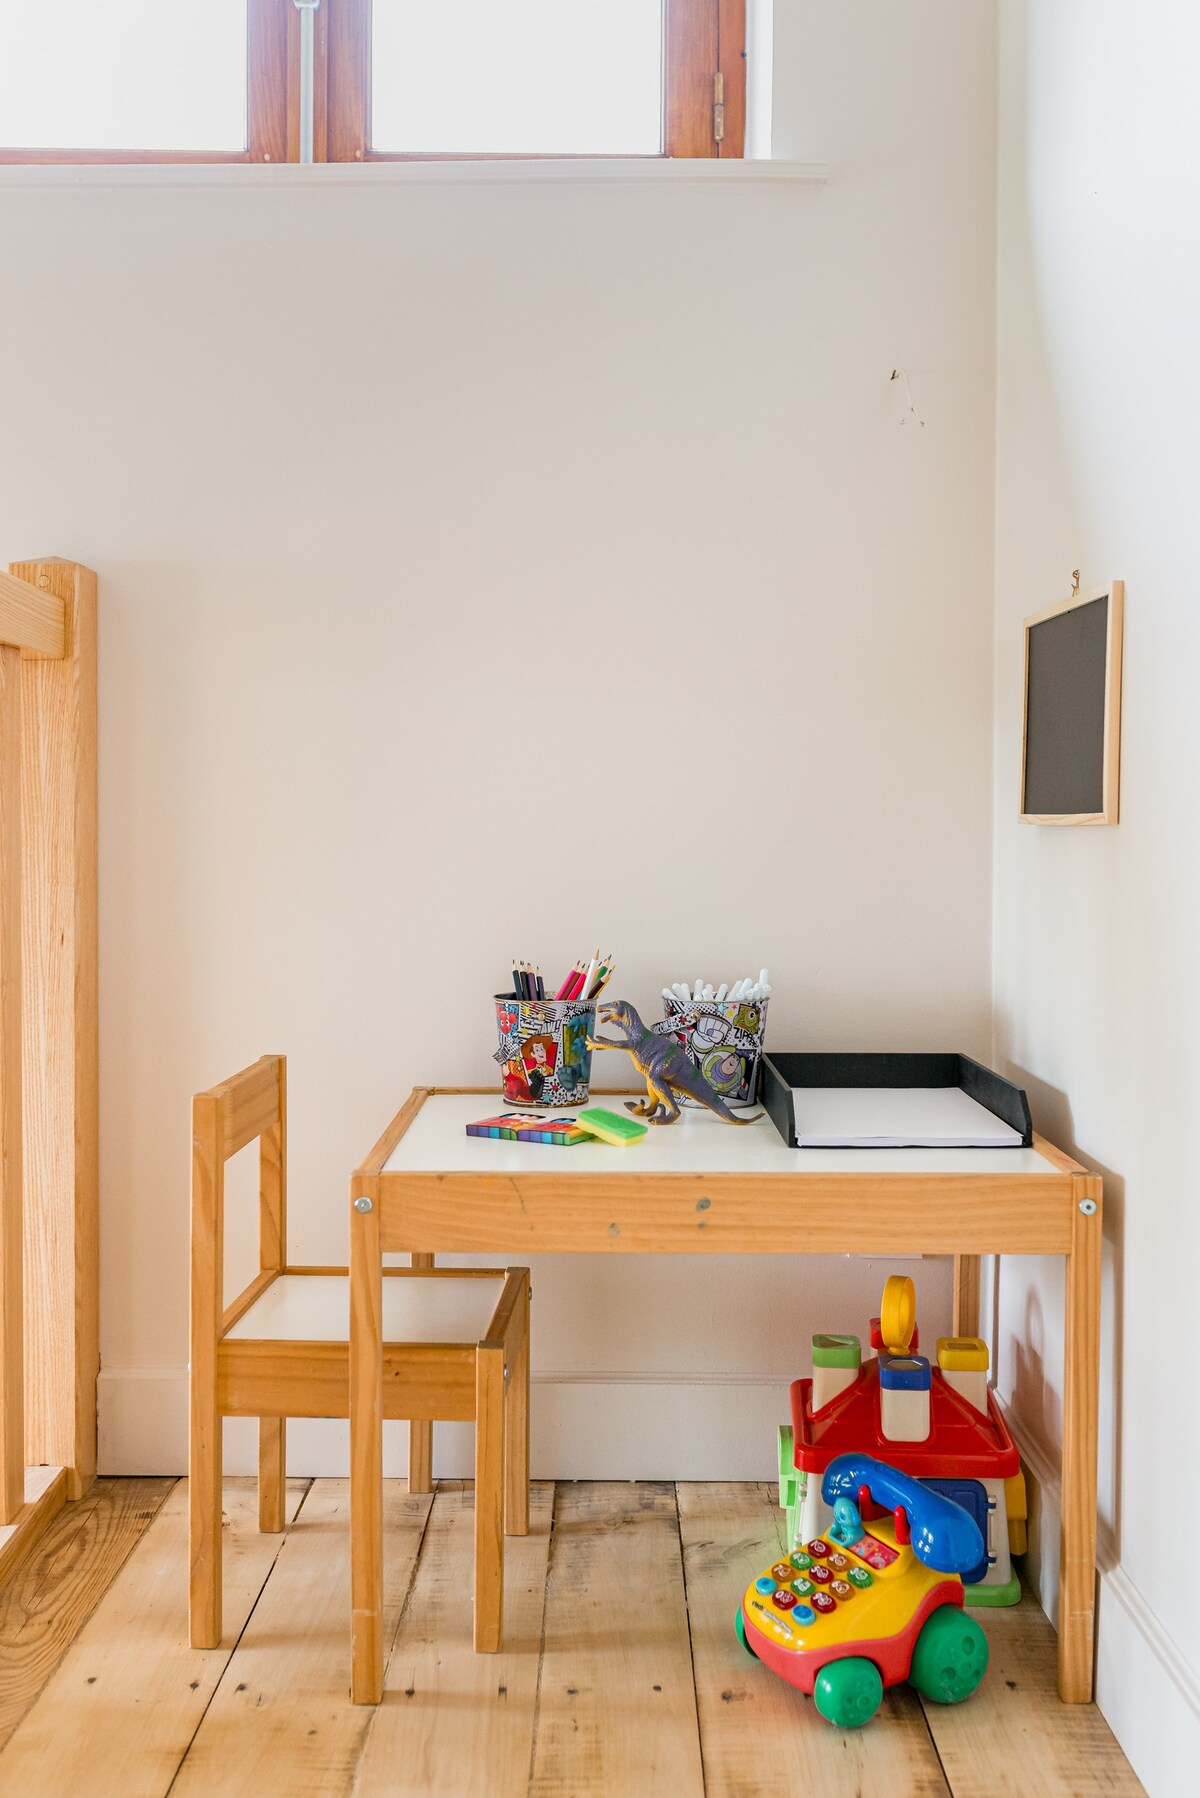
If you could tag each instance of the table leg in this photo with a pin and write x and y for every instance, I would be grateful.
(366, 1453)
(966, 1295)
(489, 1498)
(516, 1433)
(420, 1429)
(1081, 1395)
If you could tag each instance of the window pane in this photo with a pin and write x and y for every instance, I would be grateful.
(123, 74)
(539, 77)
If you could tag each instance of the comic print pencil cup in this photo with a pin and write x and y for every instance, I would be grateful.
(723, 1038)
(544, 1056)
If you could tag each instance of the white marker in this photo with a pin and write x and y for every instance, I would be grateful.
(681, 992)
(762, 977)
(667, 993)
(721, 991)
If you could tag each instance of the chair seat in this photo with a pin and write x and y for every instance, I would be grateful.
(416, 1308)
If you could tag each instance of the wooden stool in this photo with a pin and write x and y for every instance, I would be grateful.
(452, 1345)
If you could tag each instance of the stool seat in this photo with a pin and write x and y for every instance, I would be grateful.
(430, 1307)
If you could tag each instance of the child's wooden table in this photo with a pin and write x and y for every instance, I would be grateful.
(702, 1187)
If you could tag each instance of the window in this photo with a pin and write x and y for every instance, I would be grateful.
(143, 80)
(219, 80)
(527, 78)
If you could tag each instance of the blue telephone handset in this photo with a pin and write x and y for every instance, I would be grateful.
(943, 1535)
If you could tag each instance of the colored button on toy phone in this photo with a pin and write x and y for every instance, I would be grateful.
(817, 1547)
(822, 1575)
(764, 1584)
(801, 1563)
(838, 1561)
(804, 1613)
(802, 1587)
(782, 1572)
(842, 1590)
(860, 1578)
(785, 1600)
(823, 1602)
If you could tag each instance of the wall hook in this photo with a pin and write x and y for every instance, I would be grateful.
(1074, 582)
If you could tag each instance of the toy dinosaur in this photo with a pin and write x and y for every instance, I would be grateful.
(664, 1066)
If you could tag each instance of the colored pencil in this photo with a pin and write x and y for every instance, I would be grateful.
(568, 983)
(585, 985)
(605, 977)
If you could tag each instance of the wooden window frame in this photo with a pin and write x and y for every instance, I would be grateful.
(269, 34)
(704, 79)
(704, 66)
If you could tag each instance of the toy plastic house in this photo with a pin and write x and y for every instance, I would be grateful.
(939, 1424)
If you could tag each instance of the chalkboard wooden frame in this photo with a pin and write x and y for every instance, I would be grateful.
(1110, 748)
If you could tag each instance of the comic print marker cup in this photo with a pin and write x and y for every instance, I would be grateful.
(723, 1040)
(544, 1056)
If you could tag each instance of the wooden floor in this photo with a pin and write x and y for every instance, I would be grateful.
(621, 1674)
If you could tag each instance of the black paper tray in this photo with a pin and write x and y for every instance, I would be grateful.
(783, 1069)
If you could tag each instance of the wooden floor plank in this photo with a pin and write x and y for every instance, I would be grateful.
(45, 1495)
(281, 1719)
(616, 1706)
(52, 1594)
(118, 1714)
(1013, 1737)
(632, 1592)
(452, 1720)
(760, 1738)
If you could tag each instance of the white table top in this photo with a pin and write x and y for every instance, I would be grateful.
(436, 1142)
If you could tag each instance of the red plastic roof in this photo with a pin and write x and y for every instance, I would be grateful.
(961, 1443)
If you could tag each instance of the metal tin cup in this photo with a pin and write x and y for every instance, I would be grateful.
(723, 1040)
(544, 1056)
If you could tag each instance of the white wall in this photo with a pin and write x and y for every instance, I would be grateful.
(414, 501)
(1097, 974)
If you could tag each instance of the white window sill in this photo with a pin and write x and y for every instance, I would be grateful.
(602, 171)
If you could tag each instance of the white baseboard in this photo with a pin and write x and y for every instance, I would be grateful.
(1145, 1687)
(597, 1425)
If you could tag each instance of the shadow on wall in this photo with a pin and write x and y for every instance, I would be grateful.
(1033, 1400)
(1036, 482)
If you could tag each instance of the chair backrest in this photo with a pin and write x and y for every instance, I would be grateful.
(225, 1119)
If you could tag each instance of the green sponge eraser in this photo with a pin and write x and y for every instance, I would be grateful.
(610, 1126)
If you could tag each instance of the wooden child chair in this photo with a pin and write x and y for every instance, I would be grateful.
(454, 1346)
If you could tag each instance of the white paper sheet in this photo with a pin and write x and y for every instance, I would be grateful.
(896, 1117)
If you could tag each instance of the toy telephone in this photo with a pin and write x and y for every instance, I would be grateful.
(870, 1604)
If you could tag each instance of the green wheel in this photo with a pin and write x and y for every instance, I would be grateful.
(739, 1624)
(848, 1692)
(950, 1657)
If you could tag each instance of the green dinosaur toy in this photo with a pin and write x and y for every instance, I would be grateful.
(664, 1066)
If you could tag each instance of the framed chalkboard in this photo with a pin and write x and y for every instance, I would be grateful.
(1071, 743)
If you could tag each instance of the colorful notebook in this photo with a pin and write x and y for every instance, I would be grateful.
(524, 1126)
